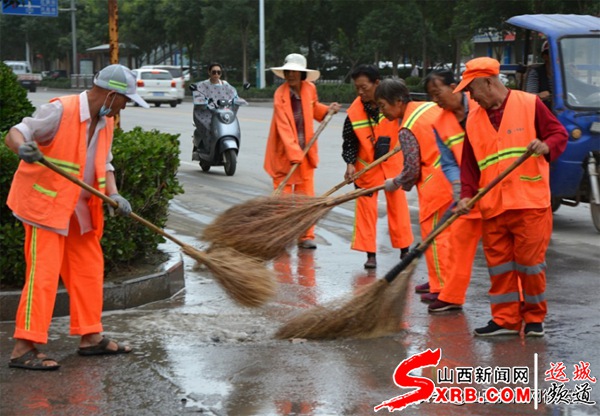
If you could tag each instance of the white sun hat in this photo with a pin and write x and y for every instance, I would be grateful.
(296, 62)
(119, 78)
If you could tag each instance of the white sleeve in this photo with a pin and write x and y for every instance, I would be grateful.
(42, 127)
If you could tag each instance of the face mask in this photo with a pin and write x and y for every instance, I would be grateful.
(104, 111)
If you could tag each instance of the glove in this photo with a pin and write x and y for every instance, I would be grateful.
(30, 152)
(456, 191)
(124, 207)
(391, 185)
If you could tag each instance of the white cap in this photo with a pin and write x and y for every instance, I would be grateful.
(296, 62)
(119, 78)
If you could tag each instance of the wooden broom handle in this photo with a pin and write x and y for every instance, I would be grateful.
(353, 195)
(363, 170)
(328, 117)
(109, 201)
(477, 197)
(420, 249)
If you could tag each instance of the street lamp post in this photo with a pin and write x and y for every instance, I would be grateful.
(72, 9)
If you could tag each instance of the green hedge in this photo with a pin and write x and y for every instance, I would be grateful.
(14, 104)
(60, 83)
(146, 164)
(342, 93)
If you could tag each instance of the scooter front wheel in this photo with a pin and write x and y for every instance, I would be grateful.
(230, 161)
(205, 166)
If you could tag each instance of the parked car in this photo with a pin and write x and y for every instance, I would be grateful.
(57, 73)
(156, 86)
(178, 76)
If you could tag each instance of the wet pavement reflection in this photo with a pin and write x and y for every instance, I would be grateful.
(201, 353)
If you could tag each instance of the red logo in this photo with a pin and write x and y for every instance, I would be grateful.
(424, 386)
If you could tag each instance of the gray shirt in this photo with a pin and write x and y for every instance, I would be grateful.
(42, 128)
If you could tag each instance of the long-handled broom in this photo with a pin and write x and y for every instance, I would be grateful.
(312, 141)
(363, 170)
(264, 227)
(363, 315)
(245, 279)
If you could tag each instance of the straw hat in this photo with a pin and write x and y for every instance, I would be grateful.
(296, 62)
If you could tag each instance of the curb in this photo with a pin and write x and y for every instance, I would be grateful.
(117, 295)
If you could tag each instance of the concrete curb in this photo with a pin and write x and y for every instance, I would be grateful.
(117, 295)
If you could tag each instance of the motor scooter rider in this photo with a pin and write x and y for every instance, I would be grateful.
(207, 93)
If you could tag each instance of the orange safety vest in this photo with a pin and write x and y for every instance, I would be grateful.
(44, 197)
(453, 136)
(434, 190)
(528, 186)
(368, 132)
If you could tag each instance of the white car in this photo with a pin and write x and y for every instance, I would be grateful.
(156, 86)
(178, 76)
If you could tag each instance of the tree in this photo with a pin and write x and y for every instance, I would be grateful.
(231, 26)
(184, 25)
(135, 17)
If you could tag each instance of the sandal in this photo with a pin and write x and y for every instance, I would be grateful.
(102, 348)
(31, 361)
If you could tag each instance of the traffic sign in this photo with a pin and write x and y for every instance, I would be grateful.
(43, 8)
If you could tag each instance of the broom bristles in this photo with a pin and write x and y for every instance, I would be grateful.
(264, 227)
(375, 311)
(245, 279)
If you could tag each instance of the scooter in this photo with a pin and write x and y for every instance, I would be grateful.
(217, 139)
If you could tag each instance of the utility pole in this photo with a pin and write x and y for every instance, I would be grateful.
(261, 65)
(73, 10)
(74, 37)
(113, 31)
(113, 35)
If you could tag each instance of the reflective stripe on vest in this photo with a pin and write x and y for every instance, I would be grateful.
(433, 188)
(453, 136)
(367, 133)
(414, 116)
(45, 198)
(72, 168)
(529, 185)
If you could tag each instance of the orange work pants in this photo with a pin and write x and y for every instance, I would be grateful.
(364, 236)
(465, 234)
(437, 254)
(79, 261)
(515, 244)
(305, 187)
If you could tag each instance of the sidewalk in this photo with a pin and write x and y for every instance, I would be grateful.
(166, 281)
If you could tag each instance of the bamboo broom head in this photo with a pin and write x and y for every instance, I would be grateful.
(375, 311)
(264, 227)
(245, 279)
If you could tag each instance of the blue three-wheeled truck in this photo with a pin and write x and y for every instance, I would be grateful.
(574, 57)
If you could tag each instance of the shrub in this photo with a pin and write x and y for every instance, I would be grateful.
(12, 233)
(14, 104)
(60, 83)
(343, 93)
(145, 164)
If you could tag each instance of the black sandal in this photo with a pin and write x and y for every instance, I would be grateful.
(102, 348)
(31, 361)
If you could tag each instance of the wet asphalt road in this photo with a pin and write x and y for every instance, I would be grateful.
(200, 353)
